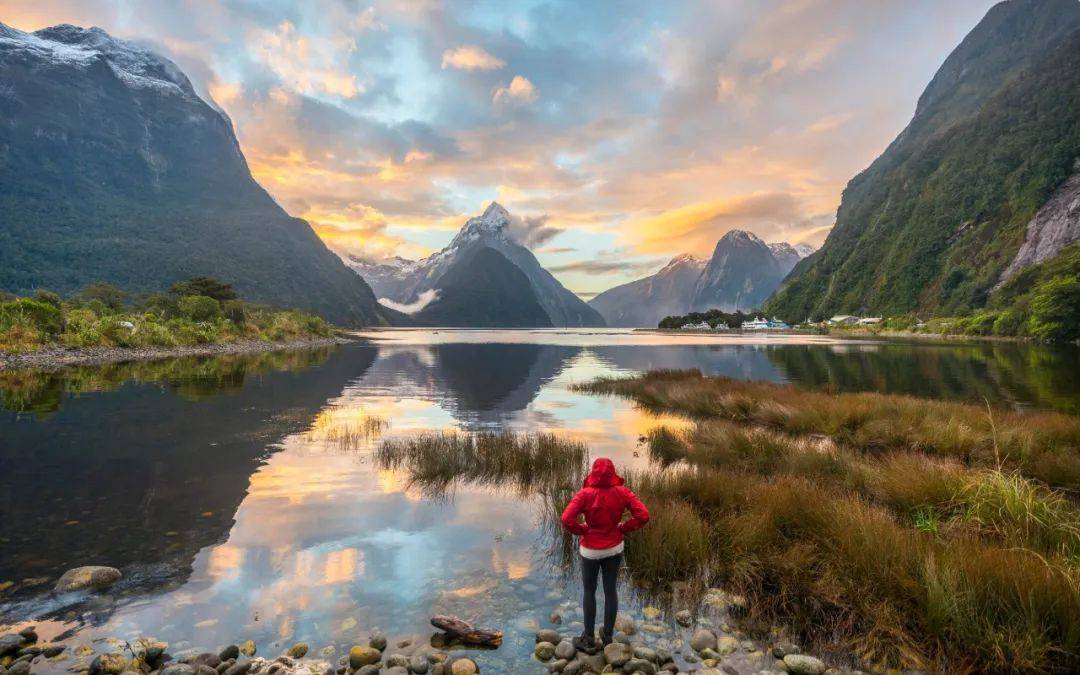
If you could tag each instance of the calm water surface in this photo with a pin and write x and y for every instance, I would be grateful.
(222, 490)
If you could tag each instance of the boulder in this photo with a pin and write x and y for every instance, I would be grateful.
(298, 650)
(112, 663)
(93, 577)
(625, 624)
(683, 617)
(397, 660)
(360, 656)
(617, 653)
(639, 666)
(544, 651)
(565, 650)
(726, 645)
(177, 669)
(231, 652)
(10, 643)
(377, 641)
(548, 635)
(702, 639)
(247, 648)
(419, 664)
(464, 666)
(801, 664)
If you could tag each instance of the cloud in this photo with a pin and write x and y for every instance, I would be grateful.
(520, 91)
(608, 266)
(470, 57)
(532, 230)
(422, 301)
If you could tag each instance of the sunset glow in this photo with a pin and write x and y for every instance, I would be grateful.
(636, 134)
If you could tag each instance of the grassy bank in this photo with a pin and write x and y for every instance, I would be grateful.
(910, 532)
(196, 312)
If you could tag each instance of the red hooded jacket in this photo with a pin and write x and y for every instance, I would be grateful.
(603, 501)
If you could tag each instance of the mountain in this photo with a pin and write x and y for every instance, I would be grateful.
(410, 285)
(742, 272)
(646, 301)
(482, 289)
(112, 168)
(932, 223)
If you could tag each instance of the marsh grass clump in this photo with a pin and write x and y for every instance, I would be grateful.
(911, 533)
(348, 430)
(528, 462)
(1041, 445)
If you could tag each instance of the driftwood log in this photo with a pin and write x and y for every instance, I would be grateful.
(466, 632)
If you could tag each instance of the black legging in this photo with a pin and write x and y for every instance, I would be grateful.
(589, 571)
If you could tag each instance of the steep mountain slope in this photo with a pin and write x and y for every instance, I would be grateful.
(931, 224)
(645, 301)
(416, 281)
(741, 274)
(113, 169)
(742, 271)
(482, 289)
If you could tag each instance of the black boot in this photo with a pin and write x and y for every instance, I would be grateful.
(585, 643)
(605, 638)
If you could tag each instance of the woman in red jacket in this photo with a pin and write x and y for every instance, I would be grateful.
(595, 514)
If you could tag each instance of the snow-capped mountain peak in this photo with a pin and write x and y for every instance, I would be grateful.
(804, 249)
(494, 221)
(135, 65)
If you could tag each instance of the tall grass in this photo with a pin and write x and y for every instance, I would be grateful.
(348, 430)
(907, 532)
(437, 462)
(1042, 445)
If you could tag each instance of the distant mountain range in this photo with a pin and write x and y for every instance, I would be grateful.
(484, 277)
(112, 168)
(742, 272)
(983, 183)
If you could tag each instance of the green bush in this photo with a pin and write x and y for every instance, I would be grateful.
(234, 311)
(24, 311)
(48, 297)
(1009, 322)
(199, 307)
(1055, 309)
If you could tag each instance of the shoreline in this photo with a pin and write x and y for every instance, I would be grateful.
(57, 357)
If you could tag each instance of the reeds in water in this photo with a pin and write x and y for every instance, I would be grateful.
(529, 463)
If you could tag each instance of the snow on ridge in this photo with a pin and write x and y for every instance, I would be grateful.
(135, 65)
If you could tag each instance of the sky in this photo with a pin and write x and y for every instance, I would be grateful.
(618, 134)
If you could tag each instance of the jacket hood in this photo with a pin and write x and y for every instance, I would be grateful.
(603, 474)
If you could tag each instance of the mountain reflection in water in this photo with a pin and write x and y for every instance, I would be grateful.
(242, 498)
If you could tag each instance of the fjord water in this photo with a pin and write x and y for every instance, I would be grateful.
(225, 491)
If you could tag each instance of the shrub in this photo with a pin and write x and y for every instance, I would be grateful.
(1055, 310)
(199, 307)
(234, 311)
(48, 297)
(208, 286)
(43, 317)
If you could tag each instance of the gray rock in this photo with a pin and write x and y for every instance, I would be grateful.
(782, 649)
(617, 653)
(112, 663)
(726, 645)
(377, 641)
(548, 635)
(10, 643)
(93, 577)
(557, 665)
(802, 664)
(462, 666)
(18, 668)
(203, 659)
(239, 668)
(565, 650)
(396, 670)
(639, 666)
(396, 660)
(683, 617)
(645, 653)
(205, 670)
(230, 652)
(1055, 226)
(419, 664)
(625, 624)
(702, 639)
(370, 669)
(544, 651)
(29, 634)
(177, 669)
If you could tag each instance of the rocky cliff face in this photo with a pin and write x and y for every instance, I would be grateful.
(1055, 226)
(741, 273)
(646, 301)
(932, 223)
(112, 168)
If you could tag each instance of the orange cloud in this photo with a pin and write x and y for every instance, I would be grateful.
(520, 91)
(470, 57)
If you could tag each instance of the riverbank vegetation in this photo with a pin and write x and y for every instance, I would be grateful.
(910, 532)
(198, 311)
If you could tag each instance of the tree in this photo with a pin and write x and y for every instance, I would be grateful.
(109, 295)
(208, 286)
(200, 307)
